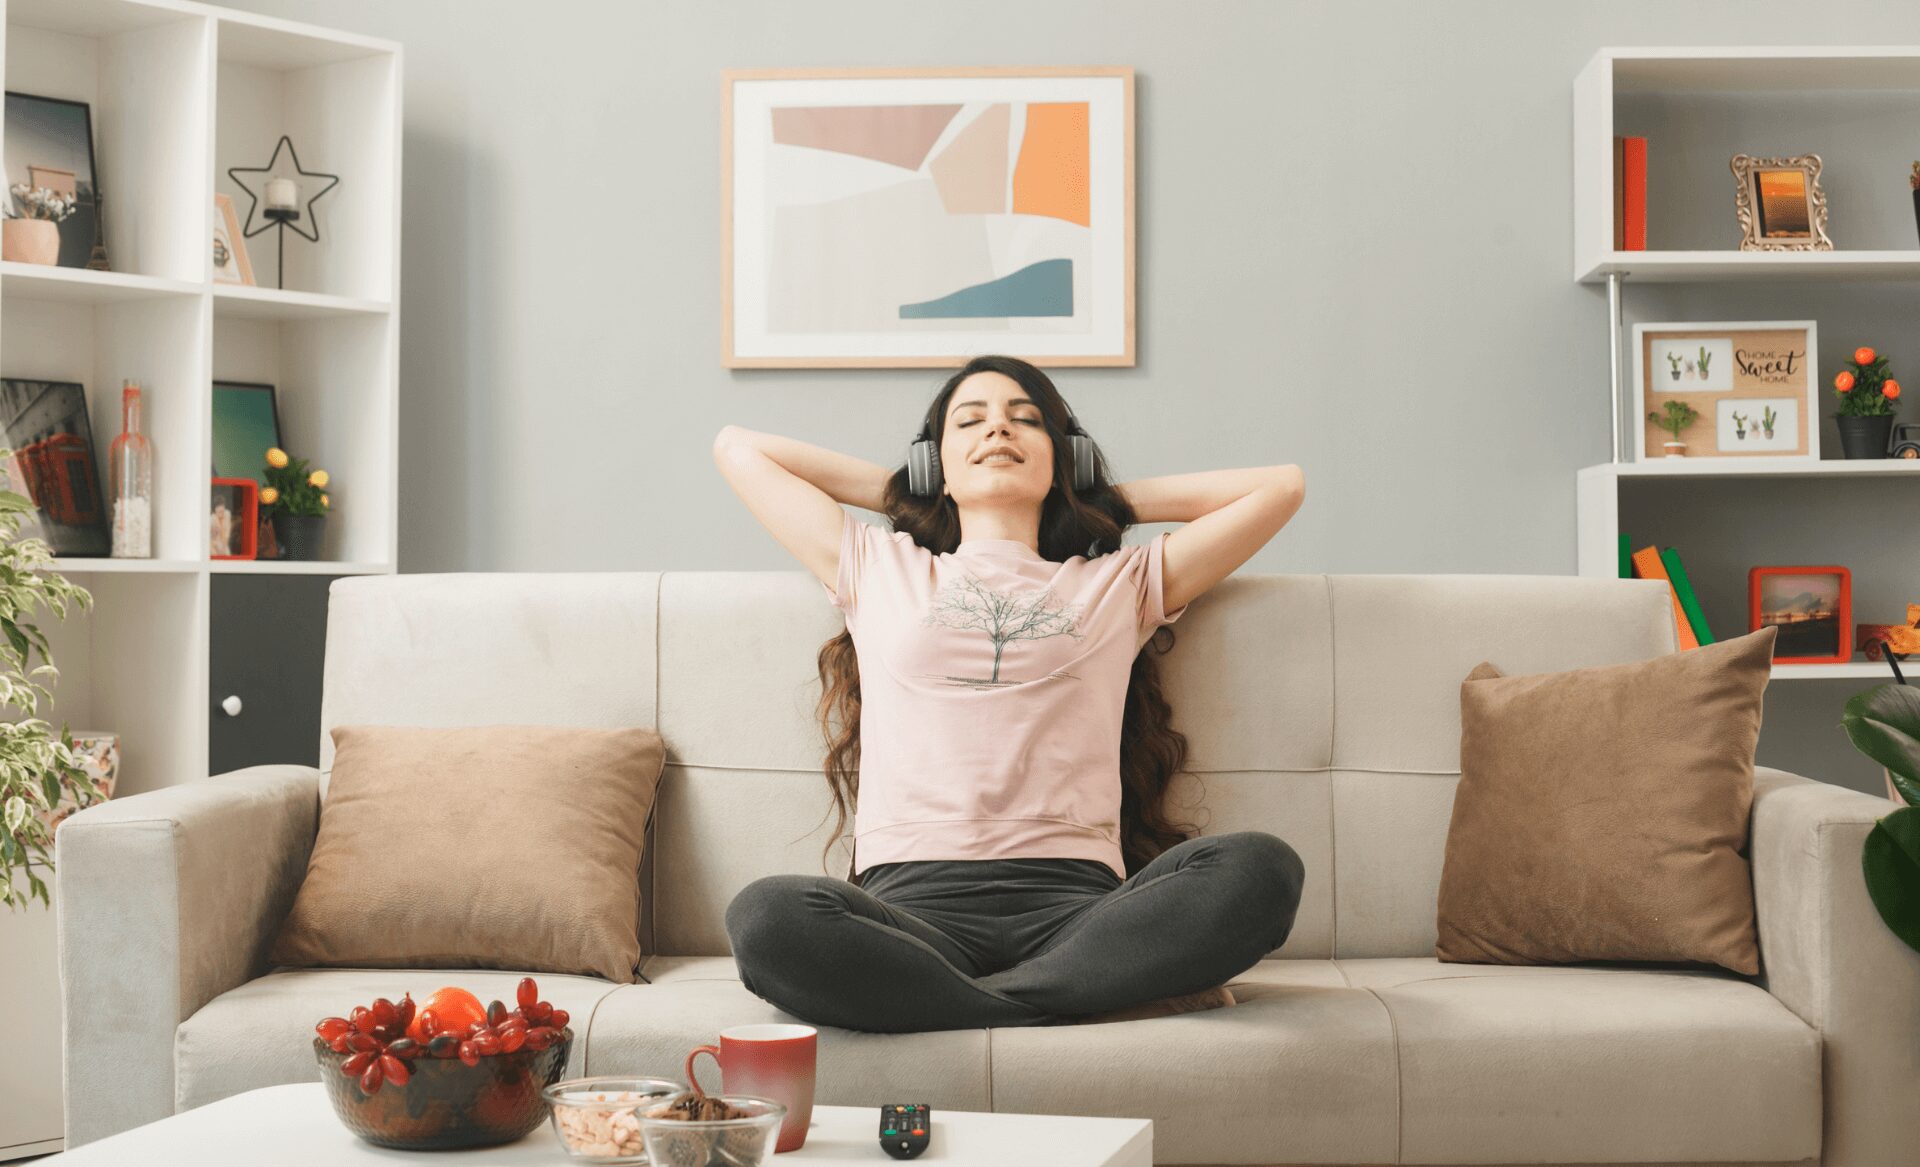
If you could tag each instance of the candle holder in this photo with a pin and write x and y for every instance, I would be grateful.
(279, 217)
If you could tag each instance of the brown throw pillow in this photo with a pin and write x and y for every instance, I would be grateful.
(501, 846)
(1601, 812)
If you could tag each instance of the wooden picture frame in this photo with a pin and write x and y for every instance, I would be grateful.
(1749, 368)
(868, 214)
(241, 525)
(230, 262)
(1777, 595)
(1779, 203)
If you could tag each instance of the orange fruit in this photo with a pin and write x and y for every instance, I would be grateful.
(1843, 380)
(453, 1009)
(1863, 355)
(1892, 390)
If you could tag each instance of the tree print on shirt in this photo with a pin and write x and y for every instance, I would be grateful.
(969, 605)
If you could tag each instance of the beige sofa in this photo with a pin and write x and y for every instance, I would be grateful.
(1322, 708)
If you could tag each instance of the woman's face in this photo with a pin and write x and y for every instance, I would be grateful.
(991, 412)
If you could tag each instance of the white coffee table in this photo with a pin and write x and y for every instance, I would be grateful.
(294, 1126)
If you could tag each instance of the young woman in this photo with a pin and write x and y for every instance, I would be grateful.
(1002, 735)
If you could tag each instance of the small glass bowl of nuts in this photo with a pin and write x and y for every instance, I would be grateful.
(597, 1119)
(744, 1137)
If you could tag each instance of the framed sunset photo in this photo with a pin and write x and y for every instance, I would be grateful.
(1812, 607)
(913, 218)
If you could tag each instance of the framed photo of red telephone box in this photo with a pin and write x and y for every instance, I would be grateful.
(1811, 606)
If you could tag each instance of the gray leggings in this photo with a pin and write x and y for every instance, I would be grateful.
(965, 944)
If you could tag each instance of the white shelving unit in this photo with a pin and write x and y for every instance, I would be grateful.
(178, 92)
(1675, 80)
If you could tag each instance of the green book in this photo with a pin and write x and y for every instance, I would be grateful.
(1683, 588)
(1626, 558)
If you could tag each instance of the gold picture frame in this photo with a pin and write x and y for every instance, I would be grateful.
(1780, 204)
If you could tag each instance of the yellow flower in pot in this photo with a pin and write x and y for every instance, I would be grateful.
(299, 506)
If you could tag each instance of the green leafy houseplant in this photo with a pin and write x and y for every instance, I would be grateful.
(34, 765)
(1884, 723)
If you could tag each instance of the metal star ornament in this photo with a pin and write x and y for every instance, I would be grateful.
(270, 171)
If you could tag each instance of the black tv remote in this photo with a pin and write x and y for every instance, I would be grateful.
(904, 1128)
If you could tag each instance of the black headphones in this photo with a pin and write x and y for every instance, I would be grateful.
(923, 458)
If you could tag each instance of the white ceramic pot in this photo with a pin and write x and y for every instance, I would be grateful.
(30, 241)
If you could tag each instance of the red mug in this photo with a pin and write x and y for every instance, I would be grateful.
(769, 1061)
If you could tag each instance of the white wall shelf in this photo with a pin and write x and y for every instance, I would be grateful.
(1694, 267)
(238, 302)
(1726, 514)
(178, 92)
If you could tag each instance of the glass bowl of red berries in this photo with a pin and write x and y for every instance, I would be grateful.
(451, 1073)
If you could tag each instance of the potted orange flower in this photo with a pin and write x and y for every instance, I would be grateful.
(299, 502)
(1867, 396)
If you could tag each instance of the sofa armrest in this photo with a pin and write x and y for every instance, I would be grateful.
(1827, 955)
(166, 900)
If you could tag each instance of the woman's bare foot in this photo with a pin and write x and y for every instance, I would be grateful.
(1218, 997)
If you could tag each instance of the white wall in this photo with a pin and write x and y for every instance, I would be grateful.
(1354, 254)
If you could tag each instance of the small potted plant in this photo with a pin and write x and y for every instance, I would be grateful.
(1767, 419)
(1673, 360)
(299, 503)
(1679, 415)
(38, 769)
(1884, 724)
(1739, 426)
(1867, 397)
(31, 233)
(1705, 356)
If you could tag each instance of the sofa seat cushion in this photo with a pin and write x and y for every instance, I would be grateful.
(1505, 1064)
(1299, 1070)
(647, 1030)
(261, 1034)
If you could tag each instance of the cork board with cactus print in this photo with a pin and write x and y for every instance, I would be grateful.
(1726, 390)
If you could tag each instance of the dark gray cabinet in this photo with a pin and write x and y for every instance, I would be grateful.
(268, 650)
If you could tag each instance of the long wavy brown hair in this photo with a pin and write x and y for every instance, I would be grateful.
(1089, 523)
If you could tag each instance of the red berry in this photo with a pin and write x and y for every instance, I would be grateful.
(363, 1019)
(405, 1008)
(429, 1022)
(539, 1013)
(332, 1027)
(394, 1070)
(370, 1081)
(339, 1044)
(559, 1019)
(444, 1045)
(363, 1042)
(354, 1066)
(541, 1038)
(528, 993)
(496, 1013)
(487, 1043)
(383, 1012)
(512, 1038)
(406, 1047)
(469, 1053)
(478, 1028)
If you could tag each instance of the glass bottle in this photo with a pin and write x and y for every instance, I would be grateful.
(131, 468)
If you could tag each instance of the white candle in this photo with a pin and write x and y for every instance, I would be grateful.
(282, 194)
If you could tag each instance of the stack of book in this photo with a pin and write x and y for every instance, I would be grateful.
(1689, 622)
(1629, 193)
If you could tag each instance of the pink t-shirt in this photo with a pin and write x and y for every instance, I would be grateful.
(992, 685)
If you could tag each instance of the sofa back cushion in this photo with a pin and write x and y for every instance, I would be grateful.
(1315, 707)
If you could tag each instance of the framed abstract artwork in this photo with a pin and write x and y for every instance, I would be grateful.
(913, 218)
